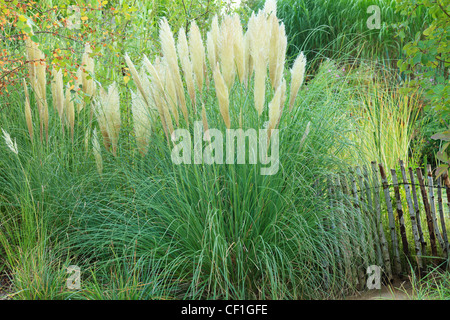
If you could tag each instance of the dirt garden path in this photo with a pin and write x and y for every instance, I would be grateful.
(399, 290)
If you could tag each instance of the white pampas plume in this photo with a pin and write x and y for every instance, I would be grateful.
(211, 49)
(186, 65)
(28, 117)
(274, 49)
(70, 112)
(226, 51)
(259, 32)
(297, 74)
(57, 87)
(157, 90)
(197, 52)
(214, 35)
(142, 122)
(260, 83)
(97, 151)
(37, 75)
(281, 55)
(170, 54)
(102, 119)
(88, 71)
(136, 78)
(9, 143)
(171, 95)
(239, 48)
(114, 116)
(222, 95)
(274, 111)
(248, 58)
(107, 110)
(270, 7)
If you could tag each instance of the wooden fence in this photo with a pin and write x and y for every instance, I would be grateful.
(400, 215)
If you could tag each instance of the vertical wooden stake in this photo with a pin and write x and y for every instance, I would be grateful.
(365, 217)
(412, 217)
(357, 273)
(387, 196)
(433, 209)
(426, 204)
(344, 240)
(401, 220)
(417, 210)
(441, 216)
(372, 217)
(379, 221)
(359, 222)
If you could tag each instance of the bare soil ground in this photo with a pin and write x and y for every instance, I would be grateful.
(398, 290)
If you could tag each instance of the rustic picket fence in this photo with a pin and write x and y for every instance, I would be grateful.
(388, 207)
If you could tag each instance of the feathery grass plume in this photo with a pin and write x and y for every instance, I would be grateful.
(113, 114)
(186, 65)
(9, 143)
(205, 123)
(274, 48)
(260, 82)
(42, 97)
(168, 95)
(102, 119)
(37, 75)
(215, 36)
(142, 122)
(283, 97)
(170, 54)
(260, 34)
(297, 74)
(136, 78)
(31, 54)
(107, 110)
(157, 90)
(248, 59)
(170, 92)
(281, 55)
(211, 49)
(226, 51)
(239, 48)
(274, 111)
(197, 51)
(70, 112)
(147, 87)
(270, 7)
(28, 117)
(222, 95)
(88, 68)
(57, 87)
(97, 151)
